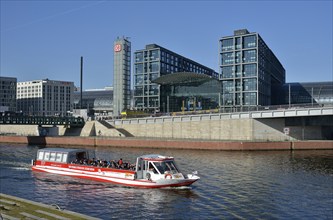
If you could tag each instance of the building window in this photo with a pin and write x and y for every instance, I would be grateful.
(238, 85)
(153, 90)
(250, 84)
(138, 91)
(238, 42)
(154, 67)
(138, 79)
(227, 58)
(228, 86)
(153, 76)
(154, 55)
(249, 56)
(228, 99)
(139, 68)
(238, 57)
(249, 70)
(227, 71)
(250, 98)
(250, 41)
(139, 57)
(238, 70)
(227, 44)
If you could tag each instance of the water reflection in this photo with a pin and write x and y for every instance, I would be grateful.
(314, 161)
(118, 198)
(241, 185)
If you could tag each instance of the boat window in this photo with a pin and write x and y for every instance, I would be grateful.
(81, 155)
(52, 156)
(47, 156)
(40, 155)
(152, 168)
(64, 158)
(166, 167)
(59, 157)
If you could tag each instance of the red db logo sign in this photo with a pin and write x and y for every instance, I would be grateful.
(117, 48)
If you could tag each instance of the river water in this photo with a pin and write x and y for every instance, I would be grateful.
(233, 185)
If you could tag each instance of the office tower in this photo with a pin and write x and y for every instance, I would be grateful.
(249, 71)
(7, 94)
(121, 75)
(45, 97)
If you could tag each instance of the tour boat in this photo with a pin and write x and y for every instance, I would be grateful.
(150, 171)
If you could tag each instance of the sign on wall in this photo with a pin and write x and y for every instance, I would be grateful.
(117, 47)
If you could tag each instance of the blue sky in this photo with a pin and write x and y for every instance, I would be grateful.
(45, 39)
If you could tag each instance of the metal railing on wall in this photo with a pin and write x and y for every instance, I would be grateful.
(266, 113)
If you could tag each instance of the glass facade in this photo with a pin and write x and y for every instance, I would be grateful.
(153, 62)
(311, 93)
(249, 70)
(7, 94)
(191, 96)
(97, 102)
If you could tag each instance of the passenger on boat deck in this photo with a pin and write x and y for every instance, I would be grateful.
(120, 163)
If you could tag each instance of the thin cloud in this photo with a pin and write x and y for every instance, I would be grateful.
(53, 16)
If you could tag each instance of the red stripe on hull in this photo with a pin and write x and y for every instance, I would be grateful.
(185, 183)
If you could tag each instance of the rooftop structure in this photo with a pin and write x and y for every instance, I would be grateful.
(186, 91)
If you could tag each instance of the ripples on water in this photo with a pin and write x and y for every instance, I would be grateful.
(241, 185)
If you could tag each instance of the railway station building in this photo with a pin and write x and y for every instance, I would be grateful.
(153, 62)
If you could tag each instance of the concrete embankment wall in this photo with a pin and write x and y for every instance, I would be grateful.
(210, 130)
(173, 144)
(243, 129)
(224, 129)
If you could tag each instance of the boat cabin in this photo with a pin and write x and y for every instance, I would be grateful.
(150, 166)
(61, 155)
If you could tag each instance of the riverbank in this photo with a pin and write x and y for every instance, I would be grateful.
(17, 208)
(169, 143)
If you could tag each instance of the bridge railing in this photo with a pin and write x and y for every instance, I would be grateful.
(290, 112)
(42, 120)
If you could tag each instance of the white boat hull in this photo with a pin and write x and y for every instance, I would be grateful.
(123, 178)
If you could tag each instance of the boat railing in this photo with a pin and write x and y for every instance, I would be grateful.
(104, 164)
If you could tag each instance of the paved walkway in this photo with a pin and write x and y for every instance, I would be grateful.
(16, 208)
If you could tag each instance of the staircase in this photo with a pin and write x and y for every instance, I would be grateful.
(106, 124)
(124, 132)
(121, 132)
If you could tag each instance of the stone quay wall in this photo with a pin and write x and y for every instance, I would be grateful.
(167, 143)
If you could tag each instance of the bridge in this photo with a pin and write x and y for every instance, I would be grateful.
(297, 123)
(278, 113)
(42, 120)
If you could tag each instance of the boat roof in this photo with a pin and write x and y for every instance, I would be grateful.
(155, 157)
(64, 150)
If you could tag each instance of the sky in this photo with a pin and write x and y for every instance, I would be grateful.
(45, 39)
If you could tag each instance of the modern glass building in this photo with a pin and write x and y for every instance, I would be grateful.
(7, 94)
(186, 91)
(249, 71)
(121, 75)
(153, 62)
(98, 102)
(310, 93)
